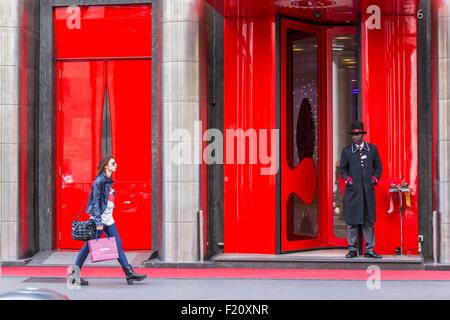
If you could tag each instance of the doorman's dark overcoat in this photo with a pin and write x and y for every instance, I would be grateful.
(361, 169)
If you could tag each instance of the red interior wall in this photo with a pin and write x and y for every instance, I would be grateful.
(389, 111)
(250, 102)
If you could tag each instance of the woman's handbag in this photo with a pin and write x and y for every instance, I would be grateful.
(83, 230)
(103, 249)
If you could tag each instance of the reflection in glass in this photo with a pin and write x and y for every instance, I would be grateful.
(302, 119)
(305, 223)
(345, 109)
(106, 126)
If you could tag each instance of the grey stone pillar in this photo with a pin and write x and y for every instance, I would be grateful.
(19, 38)
(181, 81)
(441, 20)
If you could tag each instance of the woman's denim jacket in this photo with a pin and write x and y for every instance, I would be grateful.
(98, 198)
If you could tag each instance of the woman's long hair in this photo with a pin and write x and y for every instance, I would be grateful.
(103, 162)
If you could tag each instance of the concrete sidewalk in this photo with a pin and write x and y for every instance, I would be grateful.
(66, 258)
(316, 259)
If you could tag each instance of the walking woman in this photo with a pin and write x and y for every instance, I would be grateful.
(101, 207)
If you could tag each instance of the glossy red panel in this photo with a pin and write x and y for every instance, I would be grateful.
(80, 92)
(103, 31)
(250, 102)
(129, 86)
(389, 97)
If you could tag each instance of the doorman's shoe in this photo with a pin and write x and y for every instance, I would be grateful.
(75, 278)
(133, 276)
(352, 254)
(372, 255)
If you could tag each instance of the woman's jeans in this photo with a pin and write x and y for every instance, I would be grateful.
(111, 231)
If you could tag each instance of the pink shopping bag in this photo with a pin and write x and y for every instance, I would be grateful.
(103, 249)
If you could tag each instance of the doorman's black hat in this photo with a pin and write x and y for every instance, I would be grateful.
(357, 127)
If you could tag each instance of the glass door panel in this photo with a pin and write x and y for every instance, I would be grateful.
(301, 69)
(345, 110)
(302, 110)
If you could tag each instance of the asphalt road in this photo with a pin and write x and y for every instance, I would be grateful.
(239, 289)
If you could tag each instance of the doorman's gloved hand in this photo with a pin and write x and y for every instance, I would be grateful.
(349, 180)
(374, 180)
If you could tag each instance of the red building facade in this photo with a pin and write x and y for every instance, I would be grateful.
(257, 94)
(281, 80)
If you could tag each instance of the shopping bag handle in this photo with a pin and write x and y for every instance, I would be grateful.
(103, 231)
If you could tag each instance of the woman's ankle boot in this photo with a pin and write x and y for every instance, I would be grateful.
(133, 276)
(75, 278)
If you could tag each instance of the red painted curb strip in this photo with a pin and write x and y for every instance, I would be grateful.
(218, 273)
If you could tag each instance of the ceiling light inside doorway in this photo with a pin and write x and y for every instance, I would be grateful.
(343, 38)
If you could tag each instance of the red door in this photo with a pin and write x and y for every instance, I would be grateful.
(307, 144)
(101, 101)
(104, 107)
(129, 87)
(300, 131)
(80, 89)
